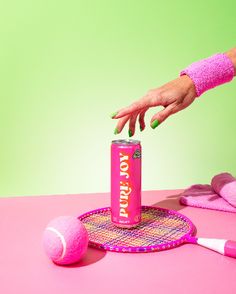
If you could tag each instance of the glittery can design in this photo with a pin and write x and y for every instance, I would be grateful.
(126, 183)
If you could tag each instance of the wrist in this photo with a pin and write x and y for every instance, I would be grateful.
(232, 56)
(189, 85)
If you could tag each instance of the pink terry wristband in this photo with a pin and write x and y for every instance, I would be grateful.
(210, 72)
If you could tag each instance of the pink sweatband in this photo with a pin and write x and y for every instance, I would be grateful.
(210, 72)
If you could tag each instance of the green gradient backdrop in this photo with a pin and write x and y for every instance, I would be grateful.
(66, 65)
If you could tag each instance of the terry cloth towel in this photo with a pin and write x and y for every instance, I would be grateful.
(205, 196)
(225, 185)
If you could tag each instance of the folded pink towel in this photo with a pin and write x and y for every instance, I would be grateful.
(204, 196)
(221, 195)
(225, 185)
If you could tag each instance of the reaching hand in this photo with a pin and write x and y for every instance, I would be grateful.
(173, 96)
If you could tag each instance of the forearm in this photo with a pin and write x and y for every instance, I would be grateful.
(232, 55)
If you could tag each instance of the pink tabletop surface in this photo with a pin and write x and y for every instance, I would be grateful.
(24, 268)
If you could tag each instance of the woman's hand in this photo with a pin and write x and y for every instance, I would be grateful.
(173, 96)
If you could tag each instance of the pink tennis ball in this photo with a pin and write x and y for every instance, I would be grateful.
(65, 240)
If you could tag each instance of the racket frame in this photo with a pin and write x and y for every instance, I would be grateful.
(186, 238)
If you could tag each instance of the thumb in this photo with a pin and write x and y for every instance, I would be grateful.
(161, 116)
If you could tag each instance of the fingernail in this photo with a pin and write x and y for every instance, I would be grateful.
(155, 123)
(141, 129)
(116, 131)
(130, 133)
(114, 114)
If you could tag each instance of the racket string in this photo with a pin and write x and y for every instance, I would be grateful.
(157, 227)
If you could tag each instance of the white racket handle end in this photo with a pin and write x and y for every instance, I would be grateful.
(225, 247)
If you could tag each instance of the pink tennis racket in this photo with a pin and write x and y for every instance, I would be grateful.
(160, 229)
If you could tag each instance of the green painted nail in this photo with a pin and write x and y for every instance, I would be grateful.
(141, 129)
(155, 123)
(130, 133)
(116, 131)
(114, 114)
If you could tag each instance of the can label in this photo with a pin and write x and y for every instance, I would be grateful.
(126, 183)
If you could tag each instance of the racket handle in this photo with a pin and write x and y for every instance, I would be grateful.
(225, 247)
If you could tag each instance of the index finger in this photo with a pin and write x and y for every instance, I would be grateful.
(137, 107)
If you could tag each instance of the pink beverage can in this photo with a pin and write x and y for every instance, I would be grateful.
(126, 183)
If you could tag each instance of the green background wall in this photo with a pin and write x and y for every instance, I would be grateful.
(66, 65)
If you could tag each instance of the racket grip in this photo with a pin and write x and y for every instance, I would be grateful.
(225, 247)
(230, 248)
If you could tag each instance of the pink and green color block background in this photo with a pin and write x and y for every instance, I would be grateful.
(65, 66)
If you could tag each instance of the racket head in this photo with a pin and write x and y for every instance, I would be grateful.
(160, 229)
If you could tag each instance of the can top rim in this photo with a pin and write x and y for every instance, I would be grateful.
(126, 142)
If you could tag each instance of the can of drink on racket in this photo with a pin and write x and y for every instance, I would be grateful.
(126, 183)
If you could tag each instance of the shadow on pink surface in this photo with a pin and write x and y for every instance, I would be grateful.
(92, 256)
(170, 202)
